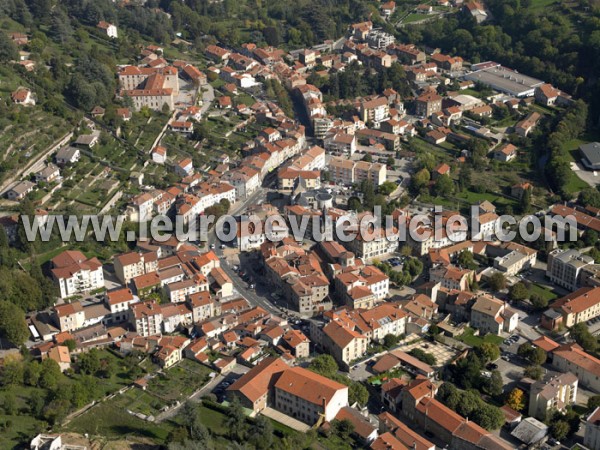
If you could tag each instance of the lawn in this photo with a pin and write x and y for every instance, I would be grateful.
(469, 338)
(110, 420)
(542, 291)
(179, 382)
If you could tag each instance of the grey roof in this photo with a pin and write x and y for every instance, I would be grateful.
(66, 153)
(505, 80)
(87, 139)
(530, 430)
(591, 152)
(22, 187)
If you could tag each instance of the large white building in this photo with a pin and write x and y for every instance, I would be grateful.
(565, 266)
(76, 274)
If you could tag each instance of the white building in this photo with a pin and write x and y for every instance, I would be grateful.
(76, 274)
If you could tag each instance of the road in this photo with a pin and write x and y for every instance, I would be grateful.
(238, 284)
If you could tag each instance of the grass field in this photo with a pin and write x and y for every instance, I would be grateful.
(469, 338)
(542, 291)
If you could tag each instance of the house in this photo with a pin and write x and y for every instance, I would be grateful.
(387, 9)
(518, 190)
(48, 174)
(476, 10)
(20, 190)
(505, 153)
(97, 112)
(18, 38)
(297, 343)
(524, 127)
(159, 155)
(184, 168)
(424, 9)
(546, 94)
(133, 264)
(23, 96)
(124, 113)
(67, 155)
(182, 126)
(108, 28)
(118, 302)
(343, 342)
(362, 427)
(491, 315)
(76, 274)
(88, 140)
(60, 354)
(440, 170)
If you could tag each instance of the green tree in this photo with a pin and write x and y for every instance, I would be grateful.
(357, 393)
(89, 362)
(465, 259)
(420, 180)
(50, 375)
(538, 301)
(236, 420)
(9, 404)
(593, 402)
(518, 291)
(13, 326)
(8, 49)
(497, 282)
(261, 433)
(559, 429)
(12, 373)
(488, 351)
(324, 365)
(368, 158)
(342, 428)
(534, 372)
(421, 355)
(33, 372)
(494, 384)
(444, 186)
(583, 337)
(390, 340)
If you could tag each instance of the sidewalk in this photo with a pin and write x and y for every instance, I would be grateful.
(288, 421)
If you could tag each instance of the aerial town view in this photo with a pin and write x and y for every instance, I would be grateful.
(311, 224)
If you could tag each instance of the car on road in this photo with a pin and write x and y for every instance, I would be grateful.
(492, 366)
(212, 246)
(222, 246)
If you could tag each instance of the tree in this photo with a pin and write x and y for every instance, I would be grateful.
(444, 186)
(390, 340)
(488, 416)
(342, 428)
(13, 326)
(262, 433)
(518, 291)
(420, 179)
(387, 188)
(488, 351)
(559, 429)
(9, 405)
(390, 161)
(50, 375)
(8, 49)
(516, 399)
(324, 365)
(534, 372)
(354, 204)
(538, 301)
(465, 259)
(421, 355)
(533, 354)
(593, 402)
(357, 393)
(494, 384)
(236, 420)
(89, 363)
(12, 372)
(368, 158)
(497, 281)
(583, 337)
(33, 372)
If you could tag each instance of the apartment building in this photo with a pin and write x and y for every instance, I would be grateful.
(491, 315)
(375, 244)
(146, 318)
(427, 104)
(572, 358)
(149, 87)
(75, 274)
(375, 111)
(309, 397)
(133, 264)
(554, 393)
(70, 316)
(297, 343)
(118, 302)
(591, 438)
(348, 172)
(343, 342)
(565, 266)
(579, 306)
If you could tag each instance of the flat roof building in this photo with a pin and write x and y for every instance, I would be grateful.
(591, 155)
(504, 79)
